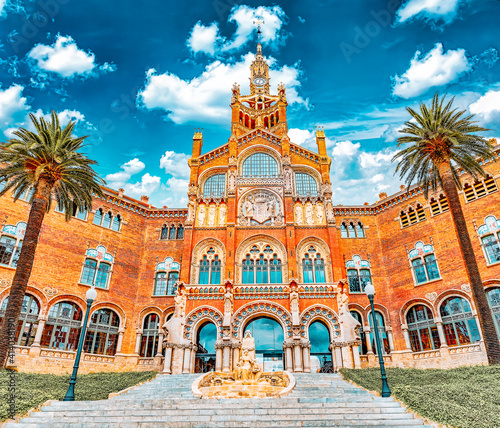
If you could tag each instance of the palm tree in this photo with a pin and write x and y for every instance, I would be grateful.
(442, 141)
(47, 161)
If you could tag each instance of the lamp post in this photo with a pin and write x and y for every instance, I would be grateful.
(370, 292)
(91, 296)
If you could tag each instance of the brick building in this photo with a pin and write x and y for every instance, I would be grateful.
(261, 246)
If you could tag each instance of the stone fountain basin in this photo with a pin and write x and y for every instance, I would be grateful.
(223, 385)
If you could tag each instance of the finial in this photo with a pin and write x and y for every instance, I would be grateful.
(259, 21)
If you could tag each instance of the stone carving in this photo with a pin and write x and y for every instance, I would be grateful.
(175, 325)
(246, 380)
(288, 179)
(319, 213)
(294, 307)
(465, 287)
(201, 215)
(211, 215)
(228, 307)
(431, 296)
(348, 324)
(50, 291)
(222, 214)
(180, 302)
(298, 214)
(233, 160)
(261, 207)
(329, 212)
(232, 180)
(190, 216)
(309, 214)
(5, 282)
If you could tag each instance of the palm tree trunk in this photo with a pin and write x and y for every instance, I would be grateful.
(24, 266)
(490, 336)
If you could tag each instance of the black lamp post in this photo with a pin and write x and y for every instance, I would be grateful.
(370, 292)
(91, 296)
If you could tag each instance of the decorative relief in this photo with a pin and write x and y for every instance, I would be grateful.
(262, 307)
(5, 282)
(308, 214)
(212, 216)
(466, 288)
(50, 291)
(260, 181)
(431, 296)
(259, 208)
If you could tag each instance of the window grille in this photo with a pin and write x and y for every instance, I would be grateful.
(260, 165)
(422, 329)
(305, 184)
(215, 186)
(459, 325)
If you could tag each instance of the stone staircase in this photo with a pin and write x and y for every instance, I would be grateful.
(318, 400)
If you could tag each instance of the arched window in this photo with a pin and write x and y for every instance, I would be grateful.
(102, 335)
(305, 184)
(382, 333)
(204, 271)
(107, 220)
(210, 268)
(172, 232)
(180, 232)
(78, 213)
(360, 233)
(97, 267)
(459, 325)
(412, 216)
(260, 165)
(101, 280)
(205, 348)
(313, 267)
(28, 320)
(363, 349)
(489, 232)
(493, 295)
(343, 230)
(352, 229)
(117, 222)
(358, 274)
(62, 329)
(98, 216)
(164, 232)
(424, 264)
(149, 339)
(215, 267)
(262, 267)
(479, 188)
(422, 329)
(438, 205)
(215, 186)
(160, 284)
(321, 357)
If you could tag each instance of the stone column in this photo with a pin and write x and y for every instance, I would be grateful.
(407, 337)
(306, 355)
(138, 341)
(338, 356)
(218, 359)
(442, 337)
(39, 332)
(236, 356)
(355, 355)
(390, 339)
(225, 359)
(347, 360)
(168, 360)
(288, 359)
(297, 367)
(160, 345)
(334, 359)
(186, 368)
(368, 340)
(120, 340)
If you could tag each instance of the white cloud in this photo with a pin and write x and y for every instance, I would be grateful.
(66, 59)
(2, 6)
(377, 178)
(13, 107)
(175, 164)
(436, 68)
(300, 136)
(176, 189)
(487, 107)
(377, 159)
(435, 10)
(391, 133)
(120, 180)
(204, 38)
(206, 98)
(345, 149)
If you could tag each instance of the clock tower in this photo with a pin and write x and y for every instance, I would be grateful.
(259, 74)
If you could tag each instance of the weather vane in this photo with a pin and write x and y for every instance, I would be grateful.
(259, 21)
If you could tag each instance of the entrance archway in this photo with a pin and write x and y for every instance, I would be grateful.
(321, 357)
(269, 337)
(205, 352)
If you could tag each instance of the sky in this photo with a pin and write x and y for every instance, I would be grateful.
(140, 77)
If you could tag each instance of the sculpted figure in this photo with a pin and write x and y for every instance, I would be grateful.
(222, 214)
(298, 214)
(211, 215)
(248, 343)
(319, 213)
(248, 207)
(309, 214)
(201, 215)
(294, 307)
(175, 325)
(232, 180)
(273, 208)
(288, 179)
(190, 211)
(228, 306)
(348, 324)
(329, 211)
(180, 302)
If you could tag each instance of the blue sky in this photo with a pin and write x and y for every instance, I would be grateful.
(139, 77)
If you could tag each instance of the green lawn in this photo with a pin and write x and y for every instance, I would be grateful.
(465, 397)
(34, 389)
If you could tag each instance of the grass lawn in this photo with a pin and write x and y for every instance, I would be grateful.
(465, 397)
(34, 389)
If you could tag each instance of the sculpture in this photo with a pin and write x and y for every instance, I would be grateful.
(190, 216)
(319, 212)
(298, 214)
(228, 306)
(232, 180)
(294, 307)
(348, 324)
(309, 213)
(201, 215)
(211, 215)
(175, 325)
(249, 207)
(329, 212)
(248, 343)
(222, 214)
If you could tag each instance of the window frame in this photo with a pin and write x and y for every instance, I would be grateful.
(214, 182)
(345, 232)
(304, 184)
(247, 166)
(312, 267)
(149, 336)
(257, 264)
(429, 324)
(74, 326)
(465, 316)
(112, 219)
(474, 188)
(414, 255)
(110, 332)
(26, 318)
(75, 213)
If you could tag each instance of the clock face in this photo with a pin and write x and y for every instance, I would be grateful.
(259, 81)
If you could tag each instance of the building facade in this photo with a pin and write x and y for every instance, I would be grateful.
(260, 247)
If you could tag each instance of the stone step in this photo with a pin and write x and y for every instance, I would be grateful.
(265, 424)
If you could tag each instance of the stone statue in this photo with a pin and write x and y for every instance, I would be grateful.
(329, 212)
(309, 213)
(180, 302)
(175, 325)
(348, 324)
(248, 344)
(288, 179)
(248, 207)
(319, 213)
(298, 214)
(232, 180)
(247, 370)
(272, 207)
(222, 214)
(190, 216)
(228, 306)
(211, 215)
(294, 307)
(201, 215)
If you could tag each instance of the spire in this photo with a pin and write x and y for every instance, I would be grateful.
(258, 55)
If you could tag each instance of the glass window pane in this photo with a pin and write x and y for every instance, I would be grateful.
(260, 165)
(88, 272)
(431, 266)
(215, 186)
(98, 217)
(305, 184)
(492, 248)
(160, 284)
(419, 270)
(7, 246)
(102, 275)
(116, 223)
(173, 277)
(354, 284)
(107, 220)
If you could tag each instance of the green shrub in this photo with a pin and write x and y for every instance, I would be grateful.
(33, 389)
(465, 397)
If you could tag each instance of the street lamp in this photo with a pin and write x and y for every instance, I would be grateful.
(91, 295)
(370, 292)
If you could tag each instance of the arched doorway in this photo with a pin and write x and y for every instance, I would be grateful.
(268, 336)
(205, 352)
(321, 357)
